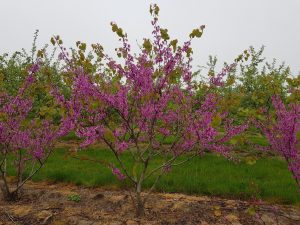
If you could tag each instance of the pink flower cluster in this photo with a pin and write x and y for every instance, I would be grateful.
(16, 131)
(118, 173)
(218, 79)
(146, 99)
(282, 133)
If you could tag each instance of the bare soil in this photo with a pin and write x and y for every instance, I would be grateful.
(51, 204)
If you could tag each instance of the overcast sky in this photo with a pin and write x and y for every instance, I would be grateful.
(231, 25)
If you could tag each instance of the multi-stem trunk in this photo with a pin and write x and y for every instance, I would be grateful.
(11, 195)
(8, 194)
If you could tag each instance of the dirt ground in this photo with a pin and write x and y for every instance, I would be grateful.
(55, 204)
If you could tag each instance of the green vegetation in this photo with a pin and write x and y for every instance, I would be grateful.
(268, 178)
(246, 91)
(74, 198)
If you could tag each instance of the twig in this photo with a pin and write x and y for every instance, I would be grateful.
(10, 217)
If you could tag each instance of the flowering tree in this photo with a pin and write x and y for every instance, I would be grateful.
(146, 106)
(24, 138)
(281, 133)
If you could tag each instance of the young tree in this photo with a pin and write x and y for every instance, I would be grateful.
(281, 131)
(147, 106)
(26, 141)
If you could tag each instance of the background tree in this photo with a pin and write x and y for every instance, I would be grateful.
(26, 140)
(281, 131)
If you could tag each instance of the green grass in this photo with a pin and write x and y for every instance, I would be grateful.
(70, 137)
(268, 179)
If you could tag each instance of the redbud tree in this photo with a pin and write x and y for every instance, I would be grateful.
(145, 104)
(281, 131)
(26, 141)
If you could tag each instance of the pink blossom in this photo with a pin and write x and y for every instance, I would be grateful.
(122, 146)
(281, 133)
(118, 173)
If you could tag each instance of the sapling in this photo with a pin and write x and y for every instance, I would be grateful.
(146, 106)
(281, 131)
(26, 141)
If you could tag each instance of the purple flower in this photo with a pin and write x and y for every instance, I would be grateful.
(118, 173)
(34, 68)
(122, 146)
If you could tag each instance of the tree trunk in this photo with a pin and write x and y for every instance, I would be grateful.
(139, 204)
(140, 208)
(11, 195)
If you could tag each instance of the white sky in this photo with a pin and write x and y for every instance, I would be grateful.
(231, 25)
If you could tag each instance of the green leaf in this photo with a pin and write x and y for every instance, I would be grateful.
(40, 53)
(151, 10)
(156, 11)
(230, 80)
(216, 121)
(52, 111)
(52, 41)
(175, 75)
(154, 8)
(189, 52)
(147, 45)
(173, 43)
(233, 141)
(117, 30)
(82, 57)
(164, 34)
(43, 110)
(82, 46)
(120, 32)
(114, 27)
(196, 33)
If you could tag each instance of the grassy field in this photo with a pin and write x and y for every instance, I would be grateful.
(268, 178)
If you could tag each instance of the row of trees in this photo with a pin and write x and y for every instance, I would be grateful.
(137, 102)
